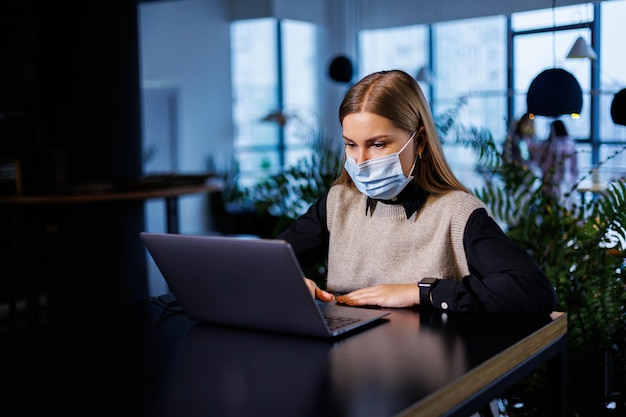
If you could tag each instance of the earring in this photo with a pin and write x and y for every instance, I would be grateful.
(419, 155)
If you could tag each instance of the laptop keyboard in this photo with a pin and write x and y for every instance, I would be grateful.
(335, 322)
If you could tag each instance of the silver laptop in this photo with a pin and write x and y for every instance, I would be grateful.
(248, 282)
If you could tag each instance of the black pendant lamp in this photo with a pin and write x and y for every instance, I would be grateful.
(618, 108)
(340, 69)
(554, 92)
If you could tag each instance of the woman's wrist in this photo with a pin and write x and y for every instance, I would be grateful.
(426, 286)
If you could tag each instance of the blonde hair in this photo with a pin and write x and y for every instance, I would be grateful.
(396, 96)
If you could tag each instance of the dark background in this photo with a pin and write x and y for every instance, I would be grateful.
(70, 113)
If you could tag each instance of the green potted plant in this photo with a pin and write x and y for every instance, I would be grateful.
(287, 194)
(581, 248)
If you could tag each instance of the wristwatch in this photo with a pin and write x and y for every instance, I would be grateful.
(426, 285)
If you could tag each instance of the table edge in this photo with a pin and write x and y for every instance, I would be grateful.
(455, 393)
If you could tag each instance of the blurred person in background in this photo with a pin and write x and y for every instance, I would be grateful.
(556, 158)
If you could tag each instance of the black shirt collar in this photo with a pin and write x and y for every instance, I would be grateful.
(412, 199)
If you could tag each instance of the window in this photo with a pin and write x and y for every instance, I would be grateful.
(594, 145)
(612, 78)
(404, 48)
(537, 51)
(469, 59)
(274, 94)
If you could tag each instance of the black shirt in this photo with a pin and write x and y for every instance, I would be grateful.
(503, 277)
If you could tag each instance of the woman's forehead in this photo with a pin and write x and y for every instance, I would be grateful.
(365, 125)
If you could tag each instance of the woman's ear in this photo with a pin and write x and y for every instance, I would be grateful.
(420, 143)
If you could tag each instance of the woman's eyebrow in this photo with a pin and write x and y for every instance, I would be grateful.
(370, 140)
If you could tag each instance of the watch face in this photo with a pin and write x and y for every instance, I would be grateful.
(427, 281)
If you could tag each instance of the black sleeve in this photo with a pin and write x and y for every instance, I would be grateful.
(503, 278)
(308, 235)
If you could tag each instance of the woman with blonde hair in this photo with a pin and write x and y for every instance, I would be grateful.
(397, 227)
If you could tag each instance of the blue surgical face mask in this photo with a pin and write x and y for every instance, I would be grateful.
(380, 178)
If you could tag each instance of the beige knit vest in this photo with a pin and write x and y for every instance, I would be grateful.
(384, 247)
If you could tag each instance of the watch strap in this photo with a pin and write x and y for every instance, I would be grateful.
(425, 287)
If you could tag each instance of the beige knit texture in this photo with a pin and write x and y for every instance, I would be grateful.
(384, 247)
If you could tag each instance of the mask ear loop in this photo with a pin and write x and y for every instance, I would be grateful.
(418, 155)
(407, 142)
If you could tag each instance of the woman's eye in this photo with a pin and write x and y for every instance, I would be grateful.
(350, 145)
(378, 145)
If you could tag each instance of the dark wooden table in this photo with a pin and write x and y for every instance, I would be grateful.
(138, 360)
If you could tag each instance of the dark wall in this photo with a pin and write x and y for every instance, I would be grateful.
(71, 89)
(70, 112)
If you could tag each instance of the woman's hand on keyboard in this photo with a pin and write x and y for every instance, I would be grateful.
(317, 292)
